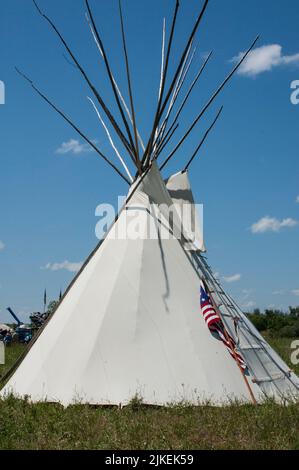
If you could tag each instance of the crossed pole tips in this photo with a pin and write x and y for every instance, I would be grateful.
(164, 129)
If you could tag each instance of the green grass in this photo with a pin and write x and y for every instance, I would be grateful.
(50, 426)
(283, 347)
(12, 353)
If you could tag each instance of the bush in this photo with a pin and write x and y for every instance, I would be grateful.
(289, 331)
(276, 322)
(259, 321)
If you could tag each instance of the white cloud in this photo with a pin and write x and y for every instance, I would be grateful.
(295, 292)
(297, 199)
(67, 265)
(75, 147)
(234, 278)
(279, 292)
(245, 300)
(271, 224)
(246, 293)
(264, 59)
(2, 246)
(249, 304)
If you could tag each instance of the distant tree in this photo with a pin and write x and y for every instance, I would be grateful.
(290, 331)
(269, 312)
(277, 322)
(294, 312)
(259, 320)
(52, 306)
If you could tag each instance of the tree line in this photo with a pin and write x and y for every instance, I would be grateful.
(276, 322)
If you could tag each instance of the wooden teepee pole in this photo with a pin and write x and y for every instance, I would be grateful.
(74, 126)
(203, 139)
(138, 163)
(111, 78)
(210, 101)
(227, 337)
(240, 368)
(128, 145)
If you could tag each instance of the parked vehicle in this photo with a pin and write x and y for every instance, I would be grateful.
(24, 332)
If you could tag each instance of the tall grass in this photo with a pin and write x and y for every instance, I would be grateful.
(50, 426)
(12, 353)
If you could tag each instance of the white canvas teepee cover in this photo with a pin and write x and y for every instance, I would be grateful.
(145, 333)
(179, 188)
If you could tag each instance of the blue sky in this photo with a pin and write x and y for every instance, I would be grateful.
(247, 175)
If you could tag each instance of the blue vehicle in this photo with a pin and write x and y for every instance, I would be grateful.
(24, 332)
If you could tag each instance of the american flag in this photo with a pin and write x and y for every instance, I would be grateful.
(215, 324)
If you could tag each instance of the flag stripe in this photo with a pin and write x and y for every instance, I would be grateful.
(215, 324)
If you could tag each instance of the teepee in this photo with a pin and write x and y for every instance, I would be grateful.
(159, 323)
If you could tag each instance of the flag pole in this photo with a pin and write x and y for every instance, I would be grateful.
(45, 300)
(228, 339)
(241, 369)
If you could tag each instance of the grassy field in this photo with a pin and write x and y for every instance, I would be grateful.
(12, 353)
(49, 426)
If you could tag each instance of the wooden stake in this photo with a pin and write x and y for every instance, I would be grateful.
(233, 349)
